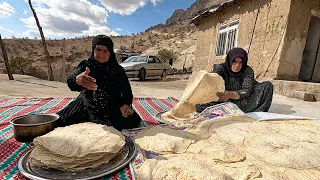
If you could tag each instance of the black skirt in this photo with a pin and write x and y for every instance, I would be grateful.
(76, 112)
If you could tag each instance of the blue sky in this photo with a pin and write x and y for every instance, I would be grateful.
(74, 18)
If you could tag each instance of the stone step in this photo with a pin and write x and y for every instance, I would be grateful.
(301, 90)
(317, 96)
(302, 95)
(2, 70)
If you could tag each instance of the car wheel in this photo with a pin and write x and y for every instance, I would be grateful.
(142, 74)
(164, 74)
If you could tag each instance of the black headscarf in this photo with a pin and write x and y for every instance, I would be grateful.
(232, 55)
(103, 72)
(107, 42)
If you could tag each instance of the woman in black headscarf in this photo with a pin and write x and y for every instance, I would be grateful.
(106, 96)
(241, 87)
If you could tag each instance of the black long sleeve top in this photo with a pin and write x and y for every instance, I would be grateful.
(113, 90)
(242, 84)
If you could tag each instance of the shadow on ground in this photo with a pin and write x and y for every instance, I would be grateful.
(281, 109)
(155, 79)
(36, 83)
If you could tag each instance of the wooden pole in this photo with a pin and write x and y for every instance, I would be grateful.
(46, 53)
(5, 57)
(64, 61)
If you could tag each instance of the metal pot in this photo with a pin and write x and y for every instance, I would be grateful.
(26, 128)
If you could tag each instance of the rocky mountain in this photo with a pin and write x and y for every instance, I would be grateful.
(196, 8)
(180, 15)
(177, 15)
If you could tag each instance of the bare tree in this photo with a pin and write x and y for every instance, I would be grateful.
(5, 57)
(46, 53)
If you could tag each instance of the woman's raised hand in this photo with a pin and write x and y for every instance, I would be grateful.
(86, 81)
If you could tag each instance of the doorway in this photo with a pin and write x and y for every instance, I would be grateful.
(310, 67)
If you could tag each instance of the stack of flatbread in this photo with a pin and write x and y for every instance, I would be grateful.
(201, 88)
(233, 147)
(77, 147)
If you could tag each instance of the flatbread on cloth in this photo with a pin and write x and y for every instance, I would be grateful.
(201, 88)
(281, 151)
(301, 131)
(236, 133)
(204, 127)
(193, 167)
(164, 140)
(217, 150)
(294, 174)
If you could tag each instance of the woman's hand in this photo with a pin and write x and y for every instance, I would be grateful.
(86, 81)
(226, 95)
(126, 110)
(223, 96)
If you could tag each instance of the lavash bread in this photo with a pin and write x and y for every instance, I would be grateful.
(217, 150)
(201, 88)
(194, 166)
(238, 147)
(164, 140)
(280, 151)
(204, 127)
(77, 147)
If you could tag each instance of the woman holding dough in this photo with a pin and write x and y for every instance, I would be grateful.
(241, 87)
(106, 95)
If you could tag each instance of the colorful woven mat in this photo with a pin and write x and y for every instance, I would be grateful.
(11, 150)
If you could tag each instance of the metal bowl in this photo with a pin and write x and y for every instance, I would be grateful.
(27, 127)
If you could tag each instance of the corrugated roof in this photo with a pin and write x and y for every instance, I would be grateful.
(196, 20)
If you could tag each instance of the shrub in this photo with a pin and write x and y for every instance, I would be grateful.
(166, 55)
(20, 65)
(37, 72)
(122, 48)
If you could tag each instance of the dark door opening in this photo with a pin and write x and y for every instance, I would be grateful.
(309, 68)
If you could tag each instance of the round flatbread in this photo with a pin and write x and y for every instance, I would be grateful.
(294, 174)
(269, 172)
(201, 88)
(79, 140)
(204, 127)
(280, 151)
(301, 131)
(192, 166)
(237, 132)
(182, 167)
(164, 140)
(217, 150)
(72, 166)
(41, 154)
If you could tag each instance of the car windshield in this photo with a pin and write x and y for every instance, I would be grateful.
(136, 59)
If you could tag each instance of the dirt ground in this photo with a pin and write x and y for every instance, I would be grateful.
(31, 87)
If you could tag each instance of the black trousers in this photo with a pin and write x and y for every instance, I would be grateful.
(76, 113)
